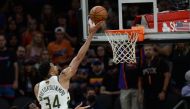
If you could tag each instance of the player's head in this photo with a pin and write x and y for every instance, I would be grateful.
(187, 76)
(47, 69)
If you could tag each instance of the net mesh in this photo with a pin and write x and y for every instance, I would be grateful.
(123, 46)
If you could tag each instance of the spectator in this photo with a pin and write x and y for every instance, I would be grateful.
(181, 63)
(155, 78)
(91, 99)
(165, 51)
(21, 56)
(96, 75)
(109, 87)
(85, 64)
(129, 74)
(186, 89)
(12, 28)
(13, 43)
(44, 57)
(91, 55)
(60, 50)
(72, 20)
(78, 84)
(47, 20)
(36, 46)
(128, 83)
(83, 77)
(21, 52)
(62, 22)
(9, 71)
(27, 35)
(102, 56)
(19, 16)
(28, 79)
(80, 80)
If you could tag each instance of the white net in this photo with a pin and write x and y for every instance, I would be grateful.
(123, 46)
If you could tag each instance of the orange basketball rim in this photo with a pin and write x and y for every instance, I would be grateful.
(135, 29)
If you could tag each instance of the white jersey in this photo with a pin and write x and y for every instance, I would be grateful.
(52, 95)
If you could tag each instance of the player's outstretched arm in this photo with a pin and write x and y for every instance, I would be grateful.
(73, 66)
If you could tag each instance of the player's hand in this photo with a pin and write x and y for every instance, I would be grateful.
(80, 106)
(93, 28)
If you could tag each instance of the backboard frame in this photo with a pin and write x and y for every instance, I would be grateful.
(155, 13)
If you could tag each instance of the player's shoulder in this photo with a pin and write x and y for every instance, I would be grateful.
(51, 80)
(38, 85)
(36, 89)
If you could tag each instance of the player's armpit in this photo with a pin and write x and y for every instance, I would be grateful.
(66, 73)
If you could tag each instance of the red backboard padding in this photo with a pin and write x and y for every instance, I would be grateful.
(169, 16)
(182, 16)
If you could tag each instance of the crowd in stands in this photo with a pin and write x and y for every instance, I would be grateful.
(34, 32)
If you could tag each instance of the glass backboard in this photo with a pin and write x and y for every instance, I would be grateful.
(163, 19)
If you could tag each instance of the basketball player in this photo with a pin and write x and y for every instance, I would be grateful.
(52, 93)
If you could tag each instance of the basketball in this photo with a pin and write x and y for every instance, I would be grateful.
(98, 13)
